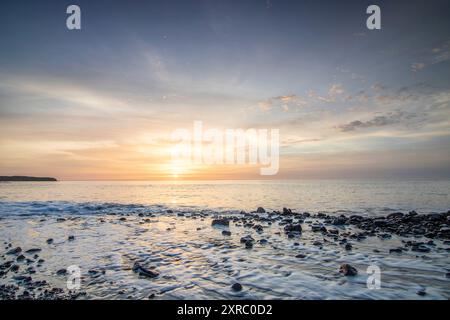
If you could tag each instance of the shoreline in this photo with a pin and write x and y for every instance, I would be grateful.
(332, 250)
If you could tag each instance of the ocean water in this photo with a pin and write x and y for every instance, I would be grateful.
(375, 197)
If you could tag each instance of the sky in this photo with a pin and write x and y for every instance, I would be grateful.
(101, 103)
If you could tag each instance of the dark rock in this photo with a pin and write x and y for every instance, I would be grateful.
(420, 248)
(318, 227)
(300, 256)
(61, 272)
(123, 219)
(293, 227)
(14, 251)
(226, 233)
(348, 247)
(34, 250)
(60, 220)
(260, 210)
(421, 292)
(71, 238)
(395, 215)
(22, 278)
(220, 222)
(50, 241)
(20, 258)
(247, 238)
(236, 287)
(287, 211)
(140, 270)
(249, 244)
(339, 221)
(348, 270)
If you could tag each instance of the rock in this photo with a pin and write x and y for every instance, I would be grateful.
(140, 270)
(61, 272)
(395, 215)
(247, 238)
(14, 251)
(396, 250)
(435, 216)
(260, 210)
(287, 211)
(339, 221)
(50, 241)
(249, 244)
(123, 219)
(293, 227)
(169, 211)
(348, 247)
(300, 256)
(348, 270)
(420, 248)
(318, 227)
(421, 292)
(60, 220)
(6, 265)
(33, 250)
(71, 238)
(236, 287)
(226, 233)
(317, 243)
(220, 222)
(22, 278)
(20, 258)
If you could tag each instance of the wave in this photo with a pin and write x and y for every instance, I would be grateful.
(32, 208)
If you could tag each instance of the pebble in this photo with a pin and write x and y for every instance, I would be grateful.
(14, 251)
(140, 270)
(236, 287)
(348, 270)
(61, 272)
(220, 222)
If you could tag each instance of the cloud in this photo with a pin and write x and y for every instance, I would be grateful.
(434, 56)
(335, 90)
(378, 121)
(417, 66)
(284, 102)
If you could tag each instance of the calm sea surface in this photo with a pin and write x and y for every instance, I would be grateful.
(352, 196)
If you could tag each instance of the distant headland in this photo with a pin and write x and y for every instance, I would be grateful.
(25, 178)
